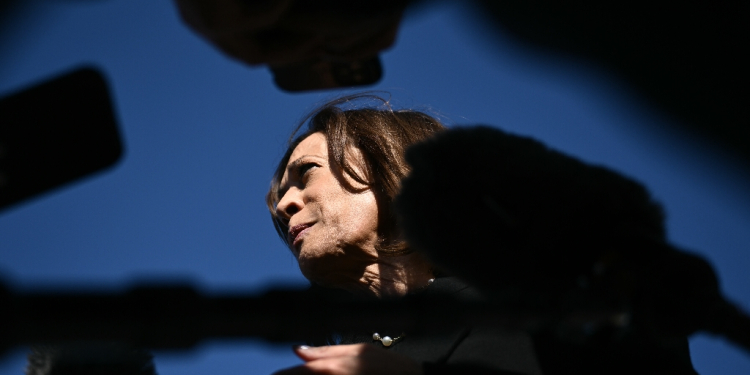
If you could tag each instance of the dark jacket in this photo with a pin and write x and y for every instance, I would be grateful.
(475, 350)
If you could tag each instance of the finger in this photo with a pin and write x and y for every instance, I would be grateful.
(344, 365)
(313, 353)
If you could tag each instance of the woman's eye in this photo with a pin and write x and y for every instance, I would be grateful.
(304, 168)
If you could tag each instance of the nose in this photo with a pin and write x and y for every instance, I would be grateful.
(289, 204)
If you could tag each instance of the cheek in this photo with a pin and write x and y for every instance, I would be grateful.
(362, 216)
(368, 210)
(350, 217)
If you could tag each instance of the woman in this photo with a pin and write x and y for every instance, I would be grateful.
(330, 200)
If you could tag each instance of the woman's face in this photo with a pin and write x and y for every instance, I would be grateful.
(332, 230)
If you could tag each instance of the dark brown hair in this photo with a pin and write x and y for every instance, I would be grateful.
(381, 134)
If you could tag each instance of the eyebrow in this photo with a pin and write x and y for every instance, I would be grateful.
(293, 166)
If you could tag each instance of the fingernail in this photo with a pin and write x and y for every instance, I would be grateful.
(301, 347)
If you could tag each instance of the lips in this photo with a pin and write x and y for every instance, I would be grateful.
(296, 233)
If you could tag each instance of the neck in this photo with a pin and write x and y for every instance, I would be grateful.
(394, 276)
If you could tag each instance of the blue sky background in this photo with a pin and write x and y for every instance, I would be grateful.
(202, 133)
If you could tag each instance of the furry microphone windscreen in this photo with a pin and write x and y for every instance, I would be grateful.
(540, 229)
(501, 210)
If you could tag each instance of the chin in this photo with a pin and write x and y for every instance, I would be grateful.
(313, 268)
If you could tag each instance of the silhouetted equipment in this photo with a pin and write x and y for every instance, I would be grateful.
(55, 133)
(637, 315)
(178, 317)
(307, 45)
(575, 254)
(690, 61)
(320, 74)
(89, 358)
(337, 65)
(532, 226)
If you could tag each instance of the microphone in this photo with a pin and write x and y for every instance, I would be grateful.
(89, 358)
(534, 227)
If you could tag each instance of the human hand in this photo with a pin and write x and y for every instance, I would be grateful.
(358, 359)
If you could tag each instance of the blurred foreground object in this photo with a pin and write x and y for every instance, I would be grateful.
(533, 227)
(176, 316)
(689, 60)
(308, 45)
(96, 328)
(81, 358)
(55, 133)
